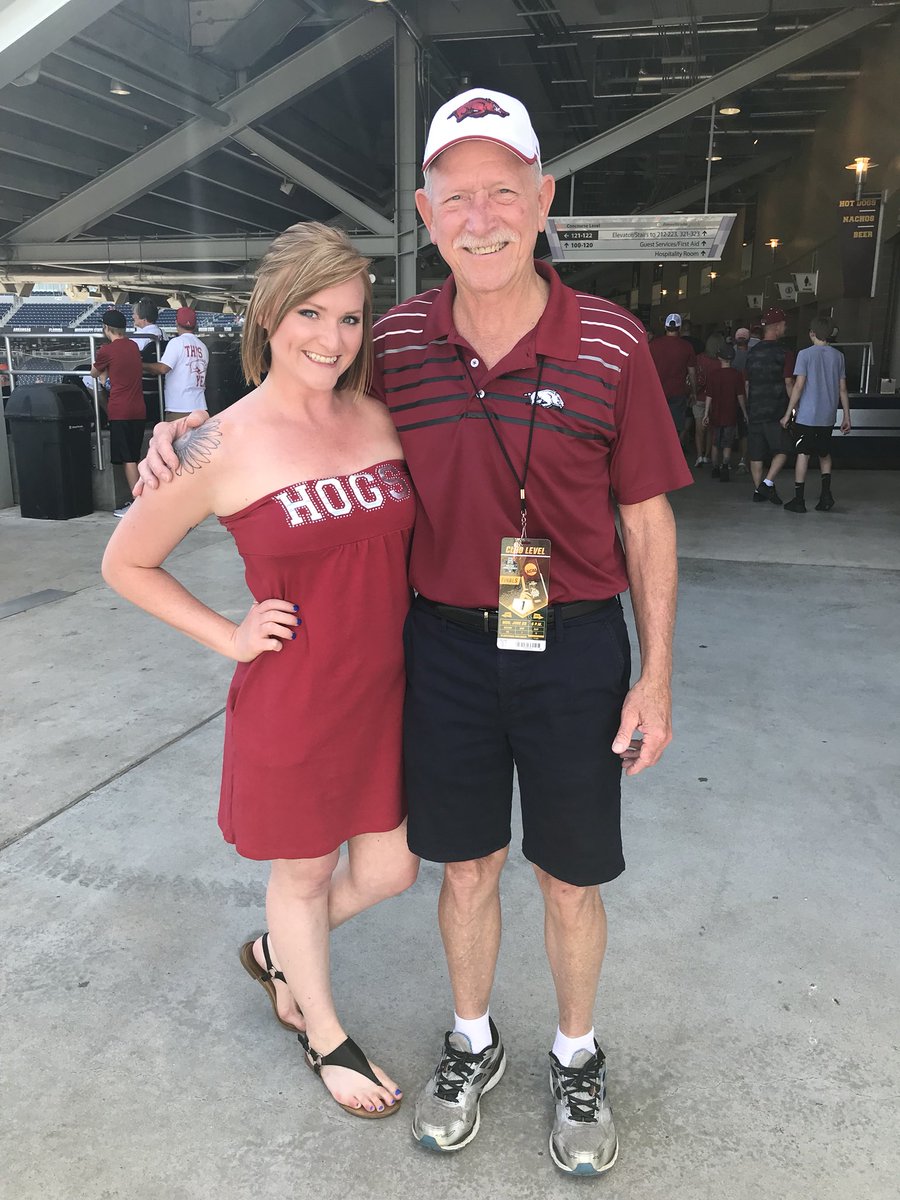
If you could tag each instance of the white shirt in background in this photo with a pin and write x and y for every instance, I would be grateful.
(187, 358)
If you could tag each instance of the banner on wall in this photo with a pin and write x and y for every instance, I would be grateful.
(858, 237)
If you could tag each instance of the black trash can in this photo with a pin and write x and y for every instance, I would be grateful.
(50, 425)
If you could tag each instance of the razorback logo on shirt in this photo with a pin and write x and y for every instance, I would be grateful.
(546, 398)
(340, 495)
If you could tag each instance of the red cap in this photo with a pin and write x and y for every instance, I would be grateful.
(773, 316)
(186, 318)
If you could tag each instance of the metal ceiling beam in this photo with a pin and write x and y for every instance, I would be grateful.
(250, 38)
(299, 73)
(297, 171)
(99, 61)
(734, 79)
(61, 110)
(136, 44)
(32, 29)
(52, 155)
(116, 253)
(719, 181)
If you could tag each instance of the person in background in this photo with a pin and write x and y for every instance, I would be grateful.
(723, 401)
(769, 370)
(695, 343)
(119, 363)
(706, 362)
(146, 315)
(676, 364)
(183, 364)
(820, 386)
(741, 347)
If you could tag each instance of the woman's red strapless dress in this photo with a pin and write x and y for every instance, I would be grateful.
(313, 732)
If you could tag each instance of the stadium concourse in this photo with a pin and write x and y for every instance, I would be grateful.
(152, 149)
(750, 1008)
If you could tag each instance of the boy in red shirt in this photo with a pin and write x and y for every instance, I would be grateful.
(725, 391)
(120, 361)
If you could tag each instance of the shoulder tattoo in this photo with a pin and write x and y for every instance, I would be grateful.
(195, 448)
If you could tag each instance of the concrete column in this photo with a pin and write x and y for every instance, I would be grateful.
(406, 163)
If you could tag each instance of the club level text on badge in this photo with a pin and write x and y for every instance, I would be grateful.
(521, 548)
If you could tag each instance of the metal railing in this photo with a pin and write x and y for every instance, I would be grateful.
(39, 374)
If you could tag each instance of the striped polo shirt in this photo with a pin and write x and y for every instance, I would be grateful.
(602, 435)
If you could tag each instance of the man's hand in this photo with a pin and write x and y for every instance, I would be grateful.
(785, 420)
(845, 424)
(162, 461)
(647, 710)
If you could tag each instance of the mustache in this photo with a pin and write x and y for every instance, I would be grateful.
(468, 241)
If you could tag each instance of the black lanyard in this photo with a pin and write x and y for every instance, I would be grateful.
(491, 417)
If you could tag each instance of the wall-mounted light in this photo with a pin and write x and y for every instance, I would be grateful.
(714, 274)
(861, 165)
(118, 88)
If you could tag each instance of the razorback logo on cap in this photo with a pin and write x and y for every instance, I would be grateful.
(479, 106)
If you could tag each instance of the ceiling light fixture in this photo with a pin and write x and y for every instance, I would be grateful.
(729, 110)
(118, 88)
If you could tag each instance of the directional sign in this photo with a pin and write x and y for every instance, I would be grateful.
(787, 291)
(639, 238)
(806, 281)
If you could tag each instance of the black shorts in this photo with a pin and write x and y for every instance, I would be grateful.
(812, 439)
(125, 441)
(765, 439)
(473, 710)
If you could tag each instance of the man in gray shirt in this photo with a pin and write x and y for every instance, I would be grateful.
(820, 385)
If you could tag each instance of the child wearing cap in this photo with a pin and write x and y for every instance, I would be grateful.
(724, 398)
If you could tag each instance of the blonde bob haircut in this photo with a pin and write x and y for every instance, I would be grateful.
(305, 259)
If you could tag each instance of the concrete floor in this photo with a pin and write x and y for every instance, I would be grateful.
(749, 1008)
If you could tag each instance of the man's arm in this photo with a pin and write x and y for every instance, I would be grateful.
(692, 383)
(156, 368)
(793, 398)
(648, 535)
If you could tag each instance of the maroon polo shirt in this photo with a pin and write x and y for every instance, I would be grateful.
(602, 434)
(673, 355)
(122, 360)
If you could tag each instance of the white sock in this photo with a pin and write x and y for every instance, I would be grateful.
(565, 1048)
(768, 483)
(477, 1031)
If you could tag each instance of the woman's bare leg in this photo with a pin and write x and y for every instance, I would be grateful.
(297, 913)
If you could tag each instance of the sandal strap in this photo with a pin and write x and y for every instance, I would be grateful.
(347, 1055)
(270, 966)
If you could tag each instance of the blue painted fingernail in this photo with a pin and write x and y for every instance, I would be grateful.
(293, 635)
(299, 620)
(398, 1092)
(296, 608)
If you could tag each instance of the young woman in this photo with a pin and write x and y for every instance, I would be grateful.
(306, 472)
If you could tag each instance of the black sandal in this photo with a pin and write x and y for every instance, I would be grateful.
(265, 976)
(347, 1055)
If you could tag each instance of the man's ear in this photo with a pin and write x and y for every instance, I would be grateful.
(545, 198)
(424, 208)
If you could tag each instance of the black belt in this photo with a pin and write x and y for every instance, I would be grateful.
(485, 619)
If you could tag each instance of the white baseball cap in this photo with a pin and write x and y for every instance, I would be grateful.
(673, 319)
(484, 114)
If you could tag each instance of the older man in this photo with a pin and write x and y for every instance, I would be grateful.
(528, 412)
